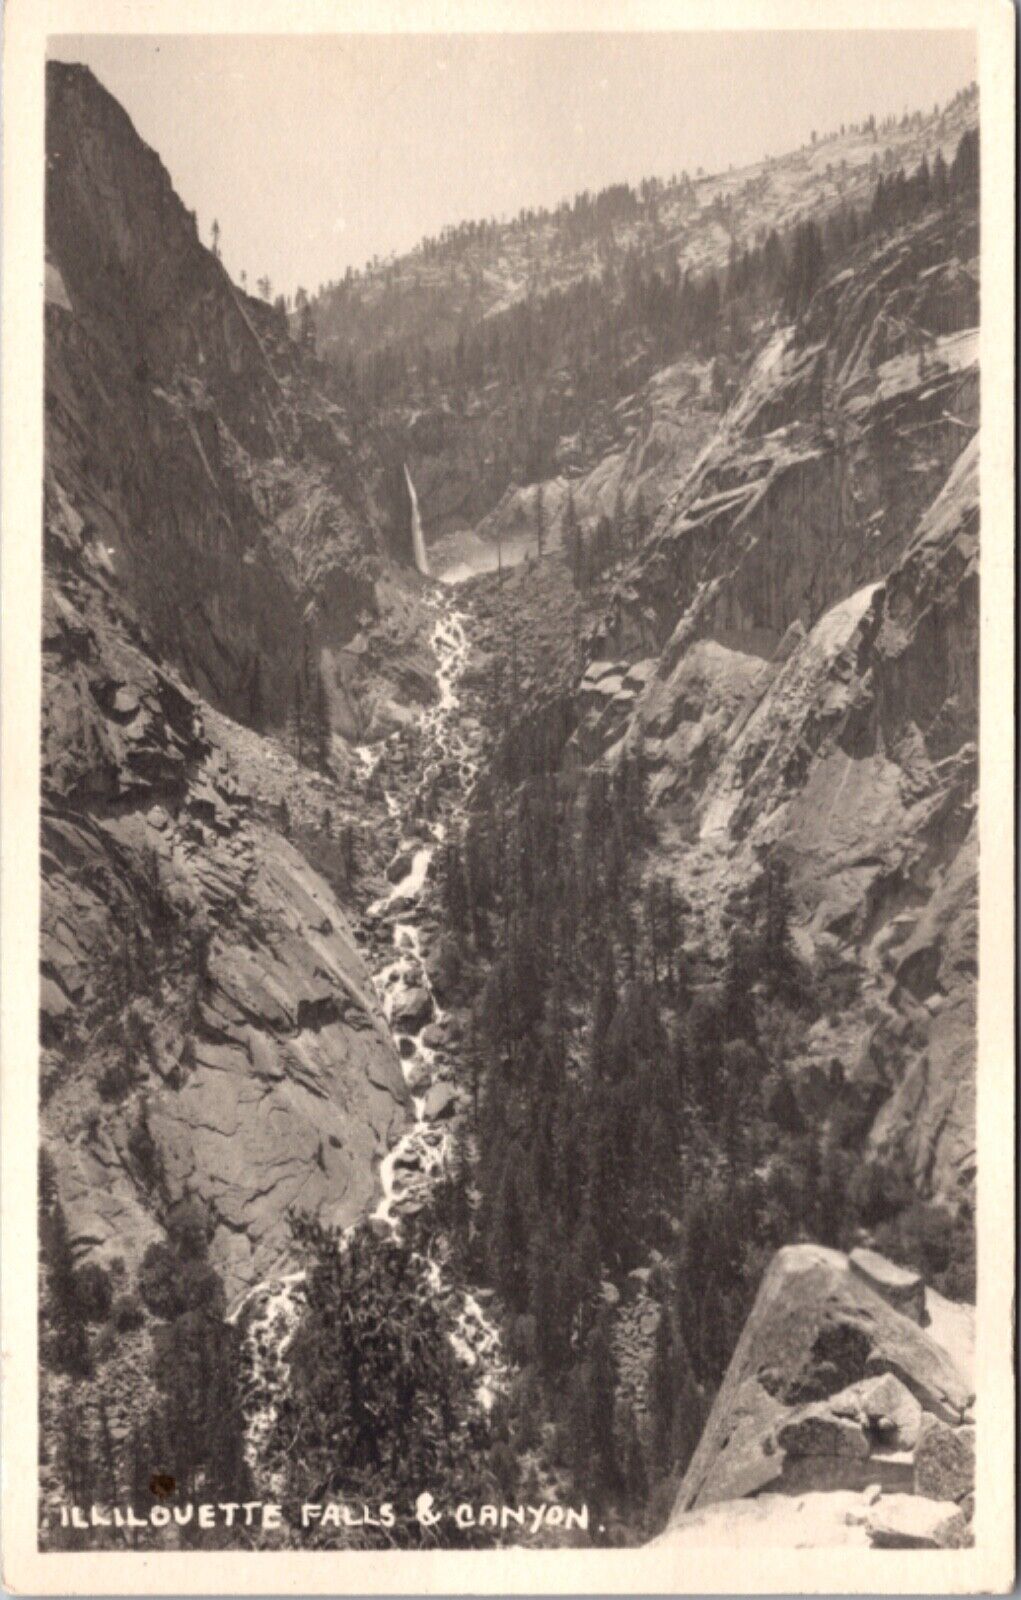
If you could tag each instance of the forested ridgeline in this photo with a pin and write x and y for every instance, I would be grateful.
(539, 378)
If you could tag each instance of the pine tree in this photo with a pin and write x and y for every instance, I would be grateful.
(604, 1008)
(298, 720)
(509, 1236)
(455, 890)
(804, 270)
(70, 1339)
(307, 329)
(255, 703)
(738, 995)
(636, 1482)
(77, 1468)
(706, 1035)
(940, 179)
(350, 857)
(108, 1456)
(662, 1392)
(572, 540)
(323, 728)
(777, 953)
(689, 1410)
(601, 1395)
(964, 169)
(546, 1303)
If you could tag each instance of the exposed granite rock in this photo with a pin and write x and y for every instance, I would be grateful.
(944, 1460)
(411, 1009)
(800, 1376)
(239, 505)
(835, 723)
(770, 1521)
(912, 1522)
(440, 1102)
(208, 1025)
(820, 1430)
(819, 1520)
(901, 1288)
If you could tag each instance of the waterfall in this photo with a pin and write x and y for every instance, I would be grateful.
(417, 541)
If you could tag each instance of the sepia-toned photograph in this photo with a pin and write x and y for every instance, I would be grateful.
(508, 855)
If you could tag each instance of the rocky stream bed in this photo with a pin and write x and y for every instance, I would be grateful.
(424, 814)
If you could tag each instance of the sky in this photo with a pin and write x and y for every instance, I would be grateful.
(316, 152)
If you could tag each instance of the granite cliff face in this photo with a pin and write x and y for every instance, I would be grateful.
(790, 657)
(235, 499)
(208, 1026)
(794, 652)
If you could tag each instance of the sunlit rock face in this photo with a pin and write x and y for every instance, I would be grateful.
(794, 650)
(208, 1025)
(840, 1418)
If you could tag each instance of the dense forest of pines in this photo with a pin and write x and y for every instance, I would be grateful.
(634, 1100)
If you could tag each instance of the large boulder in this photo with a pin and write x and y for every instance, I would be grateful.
(825, 1371)
(912, 1522)
(440, 1102)
(411, 1009)
(821, 1431)
(944, 1460)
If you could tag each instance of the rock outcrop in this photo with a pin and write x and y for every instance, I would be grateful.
(837, 1402)
(211, 531)
(794, 653)
(234, 498)
(208, 1026)
(893, 1522)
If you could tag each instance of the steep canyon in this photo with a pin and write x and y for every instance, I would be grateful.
(571, 970)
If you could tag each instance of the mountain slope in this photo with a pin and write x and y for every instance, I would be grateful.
(731, 802)
(506, 352)
(235, 500)
(817, 693)
(212, 529)
(679, 940)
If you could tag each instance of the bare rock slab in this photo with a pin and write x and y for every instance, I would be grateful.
(412, 1009)
(912, 1522)
(899, 1287)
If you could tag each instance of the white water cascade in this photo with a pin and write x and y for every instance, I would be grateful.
(407, 1172)
(417, 539)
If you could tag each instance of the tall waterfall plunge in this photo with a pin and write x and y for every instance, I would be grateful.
(417, 541)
